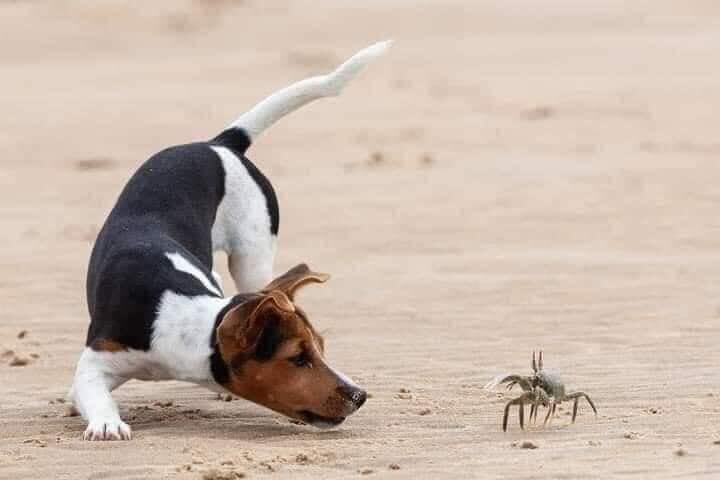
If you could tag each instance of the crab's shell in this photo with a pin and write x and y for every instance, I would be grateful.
(552, 384)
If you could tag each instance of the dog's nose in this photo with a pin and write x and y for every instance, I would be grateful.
(357, 396)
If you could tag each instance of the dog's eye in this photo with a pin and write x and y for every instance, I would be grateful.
(300, 360)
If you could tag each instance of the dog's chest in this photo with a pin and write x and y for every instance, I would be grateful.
(180, 344)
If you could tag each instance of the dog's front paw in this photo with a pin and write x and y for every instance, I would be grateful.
(108, 430)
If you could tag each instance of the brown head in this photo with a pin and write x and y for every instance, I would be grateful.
(276, 358)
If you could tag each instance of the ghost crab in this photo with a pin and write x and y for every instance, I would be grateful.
(540, 389)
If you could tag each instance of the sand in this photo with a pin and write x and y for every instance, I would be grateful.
(513, 176)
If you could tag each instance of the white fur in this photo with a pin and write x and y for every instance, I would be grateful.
(242, 226)
(180, 344)
(218, 279)
(183, 265)
(344, 378)
(94, 380)
(294, 96)
(179, 350)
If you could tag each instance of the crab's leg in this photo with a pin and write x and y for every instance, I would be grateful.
(551, 409)
(541, 398)
(512, 380)
(536, 406)
(521, 400)
(576, 396)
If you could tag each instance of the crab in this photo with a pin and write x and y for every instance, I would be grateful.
(540, 389)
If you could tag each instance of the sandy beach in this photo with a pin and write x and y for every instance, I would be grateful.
(512, 176)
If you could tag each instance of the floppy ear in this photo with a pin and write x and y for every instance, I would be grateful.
(296, 277)
(242, 326)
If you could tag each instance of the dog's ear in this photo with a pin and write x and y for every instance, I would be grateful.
(293, 279)
(253, 326)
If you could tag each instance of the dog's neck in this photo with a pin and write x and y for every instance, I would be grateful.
(183, 338)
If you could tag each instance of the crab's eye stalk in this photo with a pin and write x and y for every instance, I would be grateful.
(300, 360)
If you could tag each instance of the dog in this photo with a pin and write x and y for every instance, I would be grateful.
(157, 309)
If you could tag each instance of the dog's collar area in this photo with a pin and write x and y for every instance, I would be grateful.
(218, 368)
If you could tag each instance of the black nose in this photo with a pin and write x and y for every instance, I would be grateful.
(356, 395)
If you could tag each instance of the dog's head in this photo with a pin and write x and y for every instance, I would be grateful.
(276, 358)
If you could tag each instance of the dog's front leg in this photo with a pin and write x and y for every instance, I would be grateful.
(94, 380)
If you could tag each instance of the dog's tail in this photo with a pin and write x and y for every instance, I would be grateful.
(243, 131)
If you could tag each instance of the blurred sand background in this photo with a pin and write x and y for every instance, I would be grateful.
(514, 175)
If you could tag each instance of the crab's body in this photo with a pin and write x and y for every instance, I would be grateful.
(551, 383)
(542, 388)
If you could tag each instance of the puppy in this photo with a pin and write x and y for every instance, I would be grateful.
(157, 309)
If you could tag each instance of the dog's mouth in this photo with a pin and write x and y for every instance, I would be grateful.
(319, 421)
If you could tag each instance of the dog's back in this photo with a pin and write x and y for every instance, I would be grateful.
(168, 206)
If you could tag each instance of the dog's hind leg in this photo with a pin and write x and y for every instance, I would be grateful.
(94, 380)
(252, 270)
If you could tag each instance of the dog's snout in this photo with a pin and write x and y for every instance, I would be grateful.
(356, 395)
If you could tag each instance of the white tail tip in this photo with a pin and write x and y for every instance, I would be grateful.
(294, 96)
(376, 49)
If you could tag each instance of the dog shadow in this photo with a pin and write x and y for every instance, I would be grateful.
(243, 423)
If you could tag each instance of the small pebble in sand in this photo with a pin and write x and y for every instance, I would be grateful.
(22, 334)
(227, 398)
(425, 411)
(394, 466)
(366, 471)
(376, 158)
(539, 113)
(716, 442)
(19, 362)
(36, 442)
(680, 452)
(404, 390)
(426, 159)
(96, 163)
(227, 462)
(594, 443)
(527, 444)
(302, 459)
(219, 475)
(169, 403)
(631, 435)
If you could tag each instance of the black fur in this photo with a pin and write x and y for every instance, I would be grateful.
(236, 139)
(169, 205)
(269, 341)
